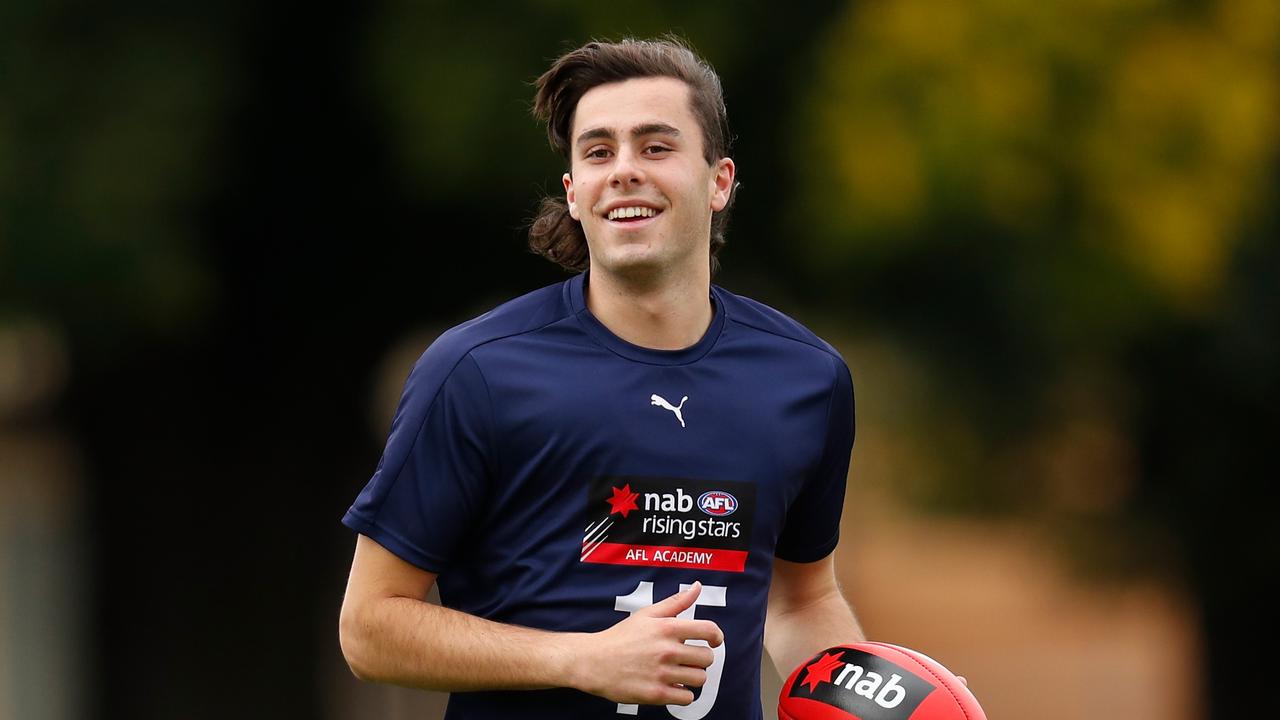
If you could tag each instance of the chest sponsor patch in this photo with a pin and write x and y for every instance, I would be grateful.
(668, 522)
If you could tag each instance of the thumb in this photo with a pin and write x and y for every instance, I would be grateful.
(675, 604)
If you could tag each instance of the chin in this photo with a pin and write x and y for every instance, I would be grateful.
(631, 263)
(632, 260)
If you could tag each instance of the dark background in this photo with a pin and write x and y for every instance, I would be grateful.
(220, 219)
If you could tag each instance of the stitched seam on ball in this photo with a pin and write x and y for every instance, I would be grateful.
(929, 670)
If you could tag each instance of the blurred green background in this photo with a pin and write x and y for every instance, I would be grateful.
(1043, 233)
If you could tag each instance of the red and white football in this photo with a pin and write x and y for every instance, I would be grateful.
(875, 681)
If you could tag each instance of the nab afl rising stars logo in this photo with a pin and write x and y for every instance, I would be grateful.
(668, 522)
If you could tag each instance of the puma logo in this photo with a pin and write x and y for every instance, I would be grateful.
(660, 402)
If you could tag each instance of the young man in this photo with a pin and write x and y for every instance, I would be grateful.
(618, 479)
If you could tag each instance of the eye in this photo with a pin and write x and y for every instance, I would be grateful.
(656, 149)
(598, 153)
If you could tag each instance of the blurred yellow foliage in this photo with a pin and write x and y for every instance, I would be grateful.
(1150, 126)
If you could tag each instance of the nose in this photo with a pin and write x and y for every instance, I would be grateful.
(626, 170)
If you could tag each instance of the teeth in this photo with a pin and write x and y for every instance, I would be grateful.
(630, 212)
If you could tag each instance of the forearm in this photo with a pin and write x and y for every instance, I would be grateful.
(794, 633)
(408, 642)
(389, 635)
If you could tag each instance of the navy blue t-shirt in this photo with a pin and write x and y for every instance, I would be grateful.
(555, 476)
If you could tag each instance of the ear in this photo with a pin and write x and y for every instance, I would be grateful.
(569, 196)
(722, 184)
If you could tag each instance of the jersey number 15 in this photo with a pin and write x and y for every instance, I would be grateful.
(711, 595)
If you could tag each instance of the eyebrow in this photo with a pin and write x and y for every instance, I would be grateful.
(655, 128)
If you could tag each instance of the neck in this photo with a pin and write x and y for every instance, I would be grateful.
(671, 312)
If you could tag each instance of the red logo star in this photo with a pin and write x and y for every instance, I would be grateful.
(820, 671)
(623, 500)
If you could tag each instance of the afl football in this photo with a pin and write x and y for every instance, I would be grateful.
(875, 681)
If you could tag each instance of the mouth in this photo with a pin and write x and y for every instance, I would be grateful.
(632, 215)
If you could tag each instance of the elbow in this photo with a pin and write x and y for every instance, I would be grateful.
(353, 638)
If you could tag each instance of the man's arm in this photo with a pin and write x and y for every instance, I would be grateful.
(389, 633)
(807, 613)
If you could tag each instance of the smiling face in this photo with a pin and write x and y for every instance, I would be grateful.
(639, 182)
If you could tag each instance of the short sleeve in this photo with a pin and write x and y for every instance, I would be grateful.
(812, 527)
(431, 480)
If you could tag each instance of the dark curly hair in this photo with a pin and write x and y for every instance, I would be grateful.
(554, 234)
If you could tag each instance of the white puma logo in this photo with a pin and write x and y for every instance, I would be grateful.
(657, 400)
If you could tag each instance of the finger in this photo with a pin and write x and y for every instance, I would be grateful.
(687, 676)
(675, 604)
(963, 679)
(675, 696)
(698, 630)
(694, 656)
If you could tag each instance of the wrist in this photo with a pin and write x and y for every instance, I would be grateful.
(566, 659)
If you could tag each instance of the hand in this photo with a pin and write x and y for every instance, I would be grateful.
(644, 659)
